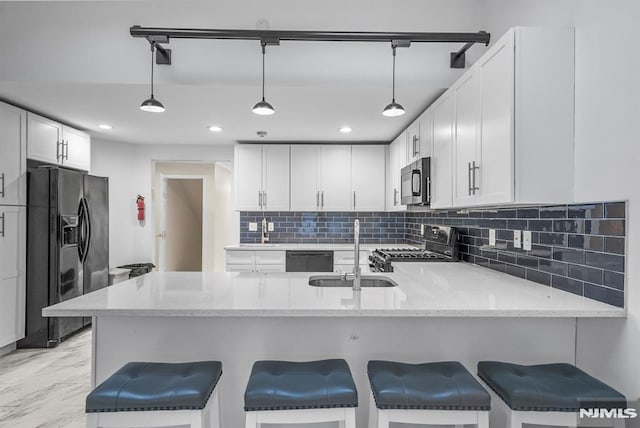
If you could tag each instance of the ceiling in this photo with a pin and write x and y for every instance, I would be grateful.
(76, 62)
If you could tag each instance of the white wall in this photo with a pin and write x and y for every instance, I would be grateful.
(607, 151)
(129, 168)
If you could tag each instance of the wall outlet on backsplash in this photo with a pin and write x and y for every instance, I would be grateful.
(517, 242)
(526, 240)
(492, 237)
(253, 227)
(270, 227)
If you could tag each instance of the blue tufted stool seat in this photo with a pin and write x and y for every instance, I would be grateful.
(300, 392)
(430, 393)
(547, 388)
(163, 392)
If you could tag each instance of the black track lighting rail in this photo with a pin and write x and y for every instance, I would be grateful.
(274, 37)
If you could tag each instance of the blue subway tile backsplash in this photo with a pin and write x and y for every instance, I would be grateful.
(576, 248)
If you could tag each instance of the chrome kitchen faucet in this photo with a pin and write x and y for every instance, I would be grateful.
(356, 257)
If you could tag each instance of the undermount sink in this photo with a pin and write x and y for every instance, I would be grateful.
(258, 245)
(339, 281)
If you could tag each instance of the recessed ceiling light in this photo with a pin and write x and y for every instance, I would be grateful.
(105, 126)
(345, 129)
(215, 128)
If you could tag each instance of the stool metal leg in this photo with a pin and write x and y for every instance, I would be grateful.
(350, 418)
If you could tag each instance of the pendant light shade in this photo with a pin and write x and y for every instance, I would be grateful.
(393, 109)
(152, 105)
(263, 108)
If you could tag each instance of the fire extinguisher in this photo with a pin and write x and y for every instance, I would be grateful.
(140, 204)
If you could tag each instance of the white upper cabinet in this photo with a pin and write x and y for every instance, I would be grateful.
(275, 177)
(335, 178)
(305, 193)
(51, 142)
(397, 159)
(13, 182)
(413, 141)
(426, 133)
(262, 173)
(77, 149)
(368, 177)
(513, 122)
(442, 151)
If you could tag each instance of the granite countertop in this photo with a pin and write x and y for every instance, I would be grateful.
(424, 290)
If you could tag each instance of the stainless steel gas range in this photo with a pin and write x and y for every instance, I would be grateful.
(440, 245)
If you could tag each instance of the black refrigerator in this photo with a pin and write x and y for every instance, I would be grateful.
(67, 248)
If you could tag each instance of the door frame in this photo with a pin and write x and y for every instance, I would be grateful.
(163, 214)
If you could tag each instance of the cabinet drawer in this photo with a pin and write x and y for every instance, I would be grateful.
(241, 257)
(270, 257)
(345, 257)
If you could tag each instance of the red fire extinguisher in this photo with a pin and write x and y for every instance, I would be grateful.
(140, 204)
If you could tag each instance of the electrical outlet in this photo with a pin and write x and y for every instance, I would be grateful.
(492, 237)
(422, 229)
(253, 227)
(270, 227)
(526, 240)
(517, 239)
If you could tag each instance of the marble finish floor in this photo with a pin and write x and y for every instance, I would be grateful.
(46, 388)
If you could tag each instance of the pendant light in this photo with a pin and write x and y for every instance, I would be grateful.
(393, 109)
(151, 104)
(262, 107)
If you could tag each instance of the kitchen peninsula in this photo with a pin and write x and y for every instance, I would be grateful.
(439, 311)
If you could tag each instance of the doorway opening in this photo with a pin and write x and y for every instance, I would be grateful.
(184, 224)
(193, 222)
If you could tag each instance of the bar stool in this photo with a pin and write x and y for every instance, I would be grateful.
(548, 394)
(157, 394)
(440, 393)
(283, 392)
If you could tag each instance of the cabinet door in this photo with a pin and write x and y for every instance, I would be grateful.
(496, 175)
(368, 177)
(275, 177)
(44, 139)
(442, 152)
(426, 133)
(397, 152)
(249, 173)
(413, 141)
(77, 149)
(467, 112)
(335, 178)
(13, 182)
(305, 195)
(12, 273)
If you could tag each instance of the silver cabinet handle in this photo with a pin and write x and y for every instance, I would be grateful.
(259, 199)
(58, 144)
(322, 199)
(2, 189)
(428, 189)
(469, 177)
(475, 168)
(395, 197)
(66, 150)
(2, 222)
(354, 199)
(318, 199)
(264, 199)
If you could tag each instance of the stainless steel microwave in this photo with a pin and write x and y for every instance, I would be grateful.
(415, 183)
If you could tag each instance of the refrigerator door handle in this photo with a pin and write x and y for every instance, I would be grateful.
(86, 226)
(81, 228)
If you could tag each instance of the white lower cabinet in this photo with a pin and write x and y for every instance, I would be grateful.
(13, 221)
(255, 261)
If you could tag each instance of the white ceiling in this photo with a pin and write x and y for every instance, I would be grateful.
(76, 62)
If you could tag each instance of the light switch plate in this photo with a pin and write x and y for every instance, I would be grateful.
(253, 227)
(526, 240)
(270, 227)
(517, 239)
(422, 229)
(492, 237)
